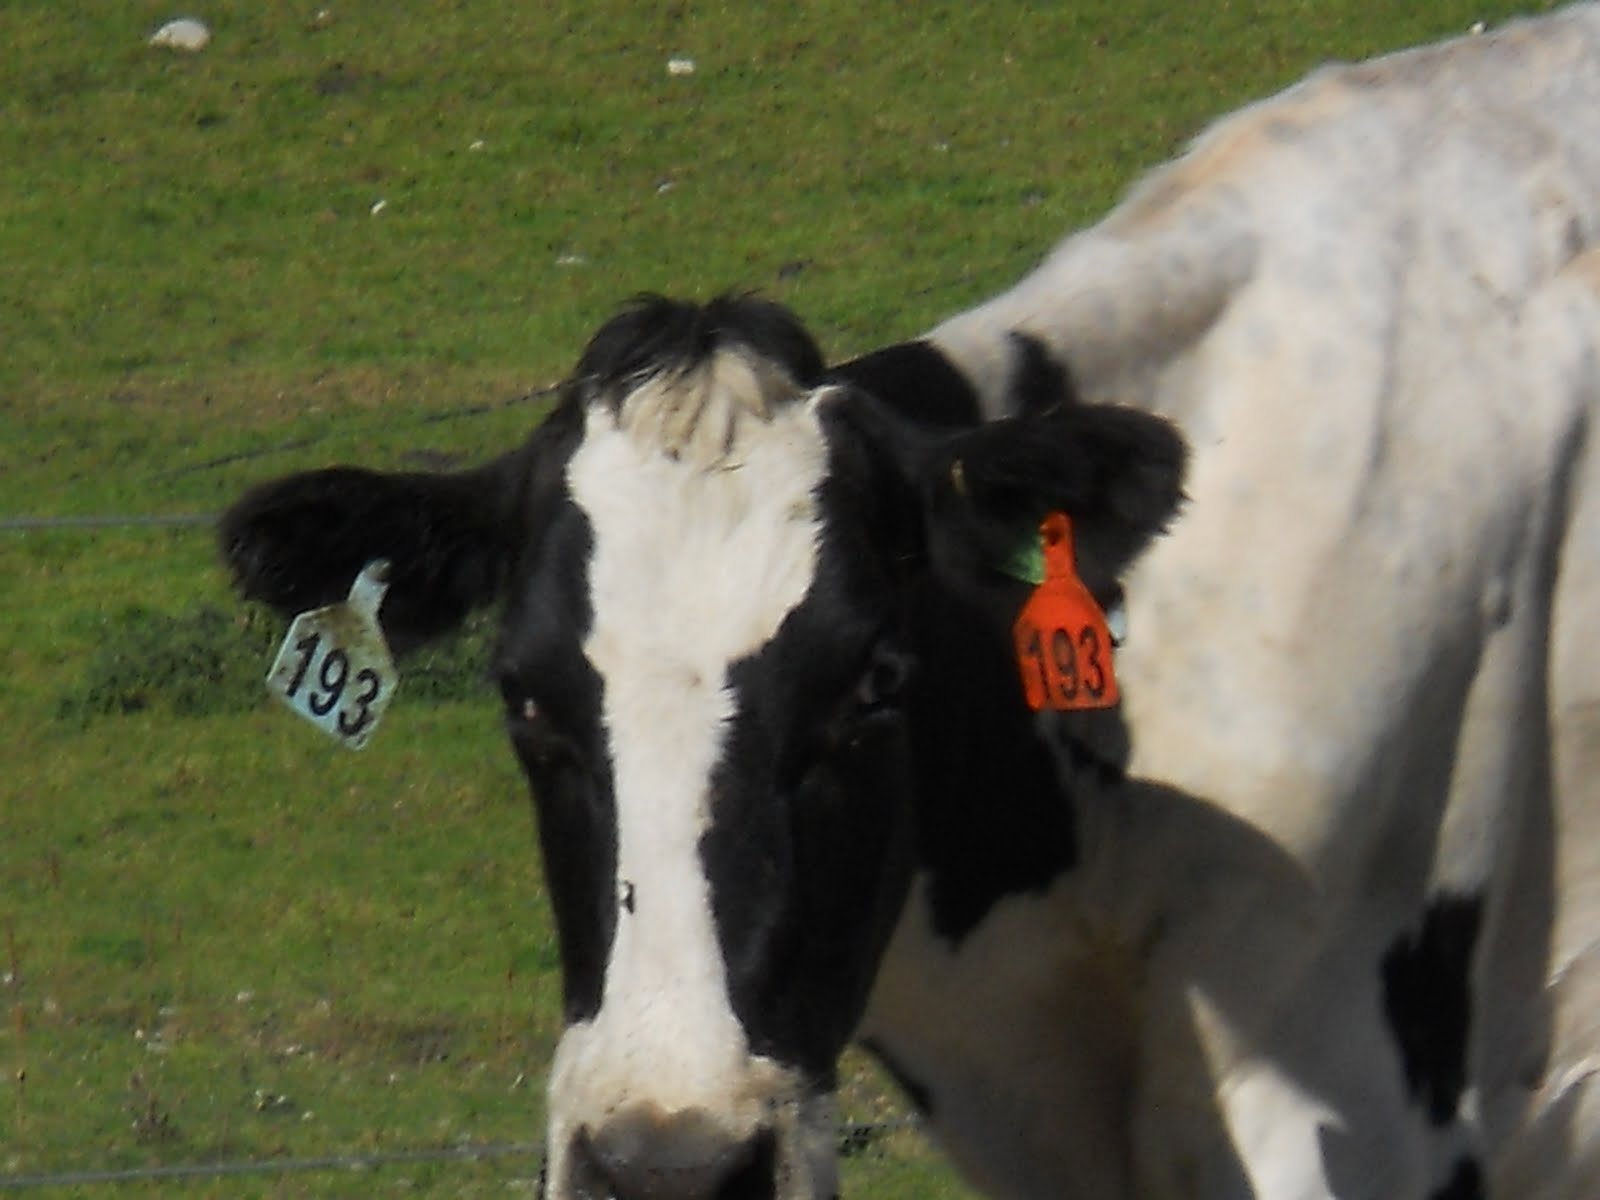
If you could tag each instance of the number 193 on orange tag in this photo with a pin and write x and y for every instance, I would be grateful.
(1062, 642)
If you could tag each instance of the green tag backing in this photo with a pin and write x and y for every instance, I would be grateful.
(1027, 562)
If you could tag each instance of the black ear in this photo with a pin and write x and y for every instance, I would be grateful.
(298, 542)
(1117, 472)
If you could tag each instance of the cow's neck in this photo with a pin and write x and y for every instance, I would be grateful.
(1025, 910)
(1016, 1035)
(1069, 932)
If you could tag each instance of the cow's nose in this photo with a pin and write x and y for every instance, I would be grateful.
(649, 1155)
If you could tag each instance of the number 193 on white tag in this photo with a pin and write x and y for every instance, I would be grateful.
(334, 668)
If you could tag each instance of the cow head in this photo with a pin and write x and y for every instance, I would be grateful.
(705, 559)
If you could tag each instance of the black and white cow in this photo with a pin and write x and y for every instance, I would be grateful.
(1312, 912)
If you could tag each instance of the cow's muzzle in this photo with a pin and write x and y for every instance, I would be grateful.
(644, 1154)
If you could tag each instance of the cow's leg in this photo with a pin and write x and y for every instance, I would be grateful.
(1263, 1066)
(1557, 1096)
(1030, 1100)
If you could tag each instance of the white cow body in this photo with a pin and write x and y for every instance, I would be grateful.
(1372, 305)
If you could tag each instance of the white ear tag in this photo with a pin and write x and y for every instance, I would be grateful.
(334, 667)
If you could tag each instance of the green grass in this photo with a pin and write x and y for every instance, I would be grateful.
(222, 938)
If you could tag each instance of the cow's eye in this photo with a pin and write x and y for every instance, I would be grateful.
(538, 742)
(884, 679)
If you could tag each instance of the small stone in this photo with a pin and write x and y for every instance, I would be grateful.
(184, 33)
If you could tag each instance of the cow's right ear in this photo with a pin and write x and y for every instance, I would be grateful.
(1117, 472)
(297, 543)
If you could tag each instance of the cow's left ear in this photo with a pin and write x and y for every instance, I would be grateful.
(1117, 472)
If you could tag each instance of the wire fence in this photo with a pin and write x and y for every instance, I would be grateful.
(272, 1166)
(30, 524)
(854, 1137)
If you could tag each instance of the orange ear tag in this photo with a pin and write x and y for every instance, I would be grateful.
(1063, 645)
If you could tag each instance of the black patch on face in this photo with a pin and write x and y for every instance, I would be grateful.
(992, 818)
(1466, 1183)
(809, 853)
(917, 381)
(552, 711)
(1427, 994)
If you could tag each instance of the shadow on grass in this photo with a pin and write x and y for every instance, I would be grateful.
(206, 661)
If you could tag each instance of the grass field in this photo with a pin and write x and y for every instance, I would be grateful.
(374, 231)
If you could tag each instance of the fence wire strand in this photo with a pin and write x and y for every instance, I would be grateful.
(29, 524)
(272, 1166)
(854, 1137)
(533, 396)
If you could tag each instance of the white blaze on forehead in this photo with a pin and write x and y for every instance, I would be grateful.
(705, 531)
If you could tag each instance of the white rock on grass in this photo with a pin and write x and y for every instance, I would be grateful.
(185, 33)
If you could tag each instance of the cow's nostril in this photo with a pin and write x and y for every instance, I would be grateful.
(683, 1156)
